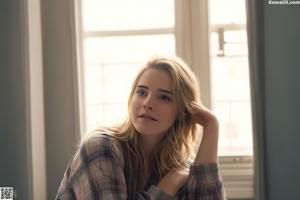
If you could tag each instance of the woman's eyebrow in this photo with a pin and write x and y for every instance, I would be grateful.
(160, 90)
(166, 91)
(142, 86)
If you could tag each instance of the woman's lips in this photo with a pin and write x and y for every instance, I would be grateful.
(147, 116)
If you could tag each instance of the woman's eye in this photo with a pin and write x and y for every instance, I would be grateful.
(141, 92)
(165, 98)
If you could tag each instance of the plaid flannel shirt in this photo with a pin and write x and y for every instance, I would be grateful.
(101, 170)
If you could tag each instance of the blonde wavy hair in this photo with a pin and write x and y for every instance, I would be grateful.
(177, 147)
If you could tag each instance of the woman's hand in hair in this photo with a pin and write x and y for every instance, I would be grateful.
(174, 180)
(208, 149)
(202, 115)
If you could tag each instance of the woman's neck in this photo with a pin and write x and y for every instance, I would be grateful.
(149, 143)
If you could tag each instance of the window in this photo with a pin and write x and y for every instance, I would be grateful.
(115, 34)
(231, 94)
(230, 77)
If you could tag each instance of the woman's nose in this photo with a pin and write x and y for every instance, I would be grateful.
(148, 103)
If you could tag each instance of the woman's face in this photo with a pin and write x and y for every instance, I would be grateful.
(152, 106)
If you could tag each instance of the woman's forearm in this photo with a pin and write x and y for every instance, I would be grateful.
(208, 149)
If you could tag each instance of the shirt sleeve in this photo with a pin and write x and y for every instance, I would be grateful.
(205, 182)
(96, 172)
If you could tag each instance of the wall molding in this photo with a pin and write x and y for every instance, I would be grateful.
(33, 59)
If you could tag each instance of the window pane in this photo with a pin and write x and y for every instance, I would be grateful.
(235, 127)
(117, 82)
(235, 49)
(93, 81)
(107, 89)
(231, 102)
(127, 49)
(112, 61)
(236, 36)
(102, 15)
(104, 114)
(227, 12)
(102, 83)
(230, 79)
(230, 86)
(110, 67)
(235, 43)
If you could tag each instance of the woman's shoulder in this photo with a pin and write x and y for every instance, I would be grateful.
(98, 135)
(97, 150)
(101, 143)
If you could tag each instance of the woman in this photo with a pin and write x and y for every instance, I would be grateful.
(151, 154)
